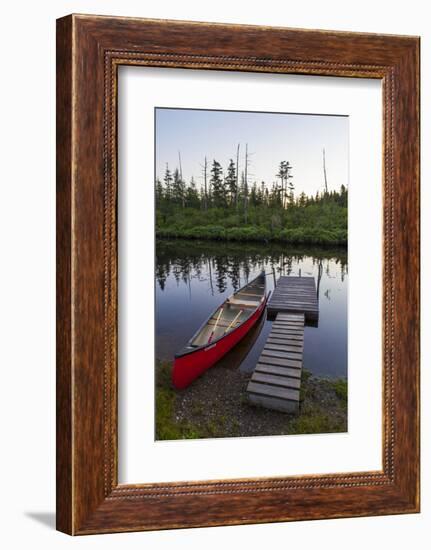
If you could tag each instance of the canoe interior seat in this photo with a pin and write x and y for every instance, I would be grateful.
(243, 302)
(212, 321)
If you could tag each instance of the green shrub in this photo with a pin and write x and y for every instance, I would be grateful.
(248, 233)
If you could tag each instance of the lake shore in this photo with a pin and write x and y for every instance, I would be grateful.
(215, 405)
(296, 236)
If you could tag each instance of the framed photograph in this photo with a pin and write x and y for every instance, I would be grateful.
(237, 274)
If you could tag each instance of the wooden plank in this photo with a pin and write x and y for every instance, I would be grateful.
(273, 391)
(294, 297)
(283, 347)
(283, 371)
(293, 303)
(291, 292)
(277, 333)
(309, 312)
(295, 288)
(297, 321)
(287, 324)
(292, 307)
(292, 284)
(288, 290)
(291, 316)
(284, 328)
(309, 293)
(283, 325)
(293, 336)
(291, 343)
(280, 361)
(285, 338)
(283, 322)
(275, 380)
(282, 354)
(283, 306)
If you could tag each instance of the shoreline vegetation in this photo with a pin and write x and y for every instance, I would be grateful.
(215, 405)
(229, 208)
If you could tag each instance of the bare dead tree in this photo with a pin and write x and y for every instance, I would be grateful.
(324, 171)
(205, 175)
(181, 169)
(246, 184)
(237, 177)
(183, 194)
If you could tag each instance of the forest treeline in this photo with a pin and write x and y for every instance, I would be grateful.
(227, 207)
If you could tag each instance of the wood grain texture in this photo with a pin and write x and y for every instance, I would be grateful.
(64, 497)
(89, 51)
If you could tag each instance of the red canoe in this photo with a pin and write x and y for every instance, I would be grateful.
(229, 323)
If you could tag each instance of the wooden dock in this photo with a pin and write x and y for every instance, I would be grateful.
(294, 295)
(276, 380)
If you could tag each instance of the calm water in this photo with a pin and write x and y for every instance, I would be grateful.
(194, 277)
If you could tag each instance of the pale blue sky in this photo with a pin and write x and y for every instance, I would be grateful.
(271, 137)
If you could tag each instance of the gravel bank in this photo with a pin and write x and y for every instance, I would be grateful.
(215, 405)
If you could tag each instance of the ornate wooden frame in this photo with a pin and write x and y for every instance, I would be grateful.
(89, 51)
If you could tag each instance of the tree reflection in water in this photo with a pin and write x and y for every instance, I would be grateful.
(220, 262)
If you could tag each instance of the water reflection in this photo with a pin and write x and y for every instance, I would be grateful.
(194, 277)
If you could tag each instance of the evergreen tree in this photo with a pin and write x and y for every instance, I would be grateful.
(275, 196)
(231, 182)
(192, 195)
(159, 193)
(178, 191)
(287, 188)
(261, 194)
(168, 183)
(218, 194)
(291, 187)
(302, 200)
(253, 195)
(282, 173)
(343, 196)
